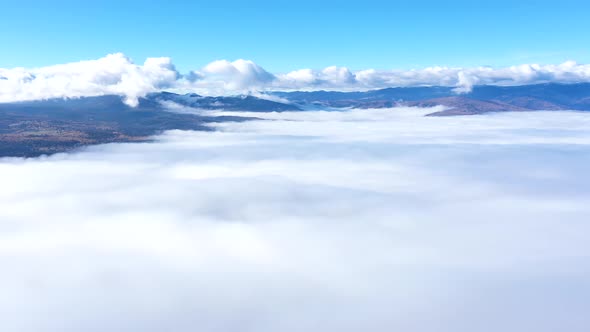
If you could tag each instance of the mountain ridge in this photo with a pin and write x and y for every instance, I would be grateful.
(32, 128)
(546, 96)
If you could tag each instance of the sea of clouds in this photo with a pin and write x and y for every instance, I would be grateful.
(362, 220)
(116, 74)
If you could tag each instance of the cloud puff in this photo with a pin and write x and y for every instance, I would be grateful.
(239, 75)
(117, 74)
(114, 74)
(330, 77)
(366, 220)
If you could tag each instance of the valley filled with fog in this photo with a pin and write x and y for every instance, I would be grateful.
(358, 220)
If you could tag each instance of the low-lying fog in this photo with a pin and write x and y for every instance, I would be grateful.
(368, 220)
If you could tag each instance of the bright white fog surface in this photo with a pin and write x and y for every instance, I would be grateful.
(372, 220)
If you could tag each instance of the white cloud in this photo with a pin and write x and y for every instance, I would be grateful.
(300, 78)
(219, 77)
(117, 74)
(113, 74)
(367, 220)
(463, 79)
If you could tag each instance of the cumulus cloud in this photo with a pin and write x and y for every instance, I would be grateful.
(330, 77)
(463, 79)
(239, 75)
(365, 220)
(117, 74)
(114, 74)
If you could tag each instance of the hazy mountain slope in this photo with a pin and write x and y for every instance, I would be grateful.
(231, 103)
(531, 97)
(49, 126)
(467, 106)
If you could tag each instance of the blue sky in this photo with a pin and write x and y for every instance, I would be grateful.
(287, 35)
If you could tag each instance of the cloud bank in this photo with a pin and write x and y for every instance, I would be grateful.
(117, 74)
(114, 74)
(365, 220)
